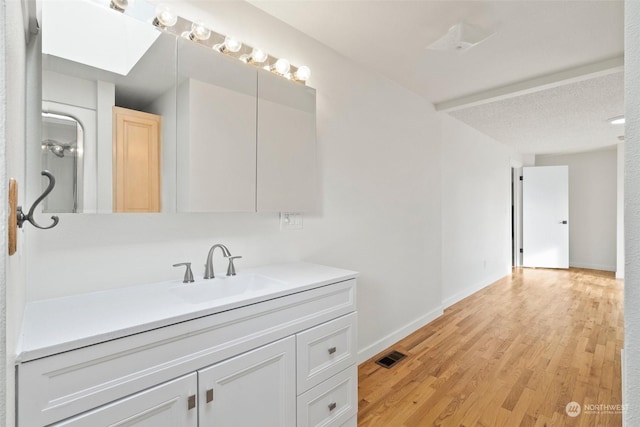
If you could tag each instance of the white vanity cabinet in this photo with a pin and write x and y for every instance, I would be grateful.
(262, 380)
(166, 405)
(286, 358)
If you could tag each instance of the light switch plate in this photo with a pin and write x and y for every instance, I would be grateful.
(290, 221)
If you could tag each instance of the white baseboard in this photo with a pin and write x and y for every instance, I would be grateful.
(387, 341)
(589, 266)
(448, 302)
(624, 385)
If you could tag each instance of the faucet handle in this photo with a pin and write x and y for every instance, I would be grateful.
(188, 274)
(231, 270)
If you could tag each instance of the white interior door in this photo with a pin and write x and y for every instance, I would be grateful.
(545, 216)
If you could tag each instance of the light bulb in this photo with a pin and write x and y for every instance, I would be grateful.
(231, 44)
(165, 17)
(258, 56)
(199, 32)
(302, 73)
(282, 66)
(119, 5)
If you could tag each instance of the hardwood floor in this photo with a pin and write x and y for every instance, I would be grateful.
(514, 354)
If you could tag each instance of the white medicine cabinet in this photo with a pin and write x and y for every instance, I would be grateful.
(246, 137)
(233, 137)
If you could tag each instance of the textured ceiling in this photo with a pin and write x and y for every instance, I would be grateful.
(568, 118)
(533, 39)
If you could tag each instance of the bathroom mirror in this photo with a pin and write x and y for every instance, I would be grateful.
(110, 78)
(62, 155)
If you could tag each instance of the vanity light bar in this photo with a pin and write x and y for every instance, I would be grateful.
(198, 32)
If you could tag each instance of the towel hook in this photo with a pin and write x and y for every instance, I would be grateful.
(29, 216)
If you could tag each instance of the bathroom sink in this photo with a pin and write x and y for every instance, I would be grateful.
(224, 287)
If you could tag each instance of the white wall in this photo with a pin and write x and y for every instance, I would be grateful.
(12, 134)
(379, 155)
(383, 209)
(631, 365)
(476, 210)
(620, 213)
(592, 206)
(3, 217)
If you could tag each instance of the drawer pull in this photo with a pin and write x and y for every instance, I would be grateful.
(332, 406)
(332, 350)
(191, 402)
(210, 395)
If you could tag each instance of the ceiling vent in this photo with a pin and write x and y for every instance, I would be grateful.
(460, 37)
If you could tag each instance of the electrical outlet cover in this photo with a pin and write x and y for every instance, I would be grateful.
(290, 221)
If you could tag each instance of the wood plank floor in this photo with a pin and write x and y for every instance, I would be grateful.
(514, 354)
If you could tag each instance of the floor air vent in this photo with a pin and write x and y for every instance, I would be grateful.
(390, 359)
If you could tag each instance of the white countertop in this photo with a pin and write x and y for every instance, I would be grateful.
(62, 324)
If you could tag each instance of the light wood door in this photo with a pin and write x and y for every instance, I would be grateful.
(136, 161)
(257, 388)
(168, 405)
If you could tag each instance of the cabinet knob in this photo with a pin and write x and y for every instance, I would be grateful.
(332, 350)
(191, 402)
(210, 395)
(332, 406)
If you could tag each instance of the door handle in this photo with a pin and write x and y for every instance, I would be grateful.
(564, 222)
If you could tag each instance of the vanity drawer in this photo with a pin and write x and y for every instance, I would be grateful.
(331, 403)
(325, 350)
(57, 387)
(351, 422)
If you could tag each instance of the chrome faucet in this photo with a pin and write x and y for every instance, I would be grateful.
(208, 268)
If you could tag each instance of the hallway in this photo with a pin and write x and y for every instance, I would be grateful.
(515, 353)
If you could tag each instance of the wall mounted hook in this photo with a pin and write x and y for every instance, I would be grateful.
(21, 217)
(17, 217)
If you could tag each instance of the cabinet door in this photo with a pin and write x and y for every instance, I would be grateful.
(256, 388)
(216, 154)
(171, 404)
(286, 145)
(136, 161)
